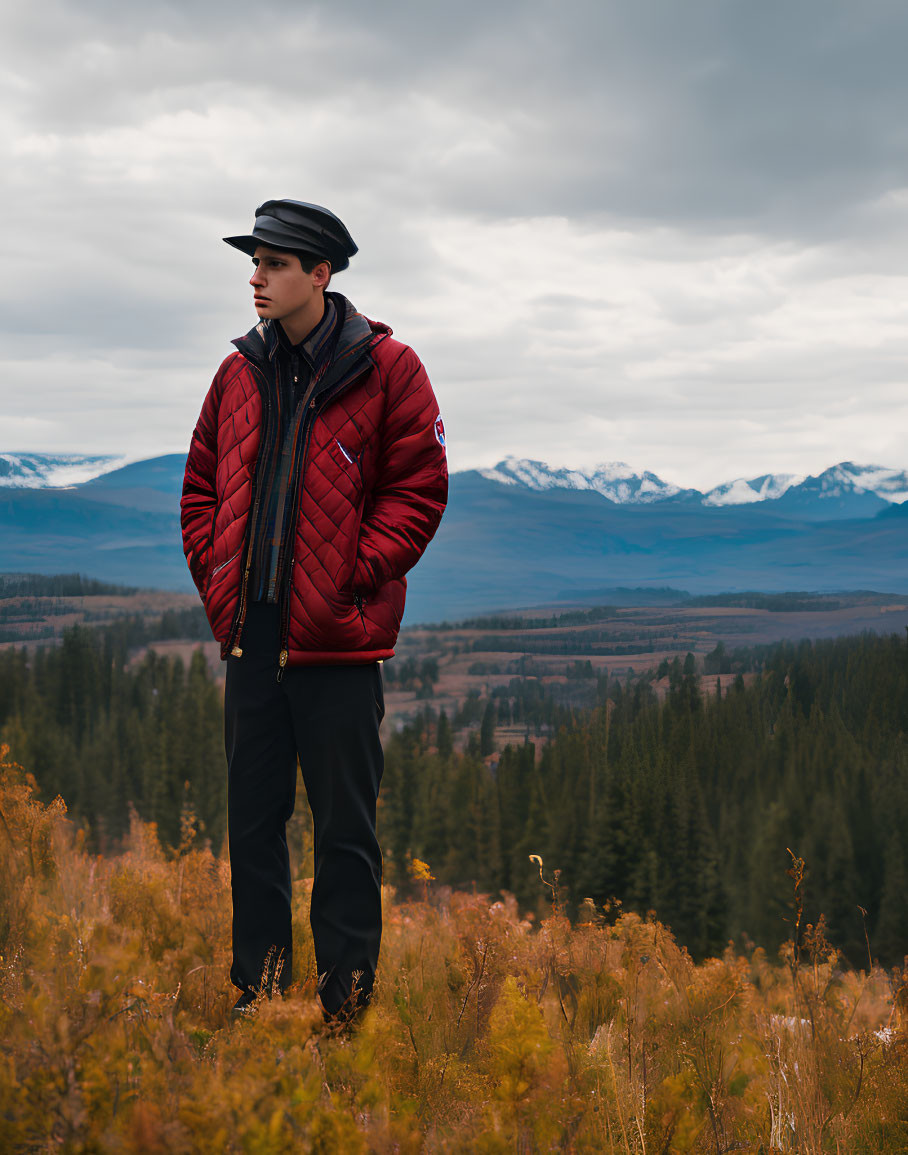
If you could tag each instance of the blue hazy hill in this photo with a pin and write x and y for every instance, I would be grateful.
(150, 485)
(500, 545)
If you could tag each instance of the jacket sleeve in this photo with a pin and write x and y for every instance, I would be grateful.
(411, 487)
(199, 500)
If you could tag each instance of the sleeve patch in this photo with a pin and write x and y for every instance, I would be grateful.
(440, 431)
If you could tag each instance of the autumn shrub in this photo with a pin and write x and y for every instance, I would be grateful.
(27, 858)
(487, 1033)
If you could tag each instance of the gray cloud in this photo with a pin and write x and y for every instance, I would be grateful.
(714, 111)
(666, 233)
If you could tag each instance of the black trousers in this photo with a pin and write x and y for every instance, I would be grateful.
(328, 716)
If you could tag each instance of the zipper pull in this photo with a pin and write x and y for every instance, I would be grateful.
(281, 662)
(236, 652)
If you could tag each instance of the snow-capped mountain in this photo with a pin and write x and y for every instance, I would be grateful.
(53, 470)
(839, 482)
(614, 480)
(743, 492)
(847, 489)
(889, 484)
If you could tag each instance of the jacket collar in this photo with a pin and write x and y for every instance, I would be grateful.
(351, 351)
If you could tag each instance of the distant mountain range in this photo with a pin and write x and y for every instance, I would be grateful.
(519, 534)
(844, 490)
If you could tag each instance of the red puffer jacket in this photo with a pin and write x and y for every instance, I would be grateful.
(369, 493)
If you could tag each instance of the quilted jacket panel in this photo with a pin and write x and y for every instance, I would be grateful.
(373, 489)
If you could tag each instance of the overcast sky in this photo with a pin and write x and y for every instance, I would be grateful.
(671, 234)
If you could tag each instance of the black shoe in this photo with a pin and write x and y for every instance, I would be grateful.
(343, 1006)
(343, 1023)
(245, 1005)
(342, 993)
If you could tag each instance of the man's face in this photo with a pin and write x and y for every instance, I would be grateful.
(282, 290)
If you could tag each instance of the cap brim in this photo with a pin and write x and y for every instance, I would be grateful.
(249, 244)
(246, 245)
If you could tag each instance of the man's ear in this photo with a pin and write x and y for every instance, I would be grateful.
(321, 275)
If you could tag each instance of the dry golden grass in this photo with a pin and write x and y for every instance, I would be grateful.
(487, 1034)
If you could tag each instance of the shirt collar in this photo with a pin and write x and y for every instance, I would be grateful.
(314, 344)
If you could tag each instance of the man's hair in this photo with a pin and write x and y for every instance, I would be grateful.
(309, 261)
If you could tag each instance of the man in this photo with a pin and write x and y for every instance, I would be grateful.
(315, 480)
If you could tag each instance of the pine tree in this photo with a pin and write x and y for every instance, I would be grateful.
(444, 740)
(487, 729)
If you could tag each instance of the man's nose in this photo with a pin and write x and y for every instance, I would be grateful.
(257, 278)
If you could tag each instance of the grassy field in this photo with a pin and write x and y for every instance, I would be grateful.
(491, 1031)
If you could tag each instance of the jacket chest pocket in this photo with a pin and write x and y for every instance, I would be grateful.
(345, 451)
(340, 474)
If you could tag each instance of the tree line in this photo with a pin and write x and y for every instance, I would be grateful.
(687, 805)
(60, 585)
(108, 735)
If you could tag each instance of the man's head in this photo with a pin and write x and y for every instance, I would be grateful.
(302, 228)
(289, 287)
(295, 247)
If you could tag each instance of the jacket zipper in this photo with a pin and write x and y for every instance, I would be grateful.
(236, 649)
(284, 581)
(233, 647)
(285, 653)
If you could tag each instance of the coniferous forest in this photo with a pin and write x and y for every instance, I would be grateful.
(691, 806)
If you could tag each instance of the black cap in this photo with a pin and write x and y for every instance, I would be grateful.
(299, 225)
